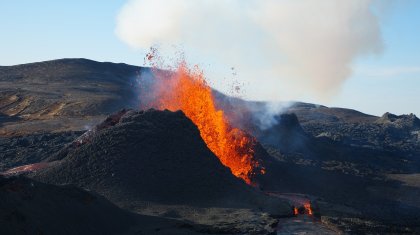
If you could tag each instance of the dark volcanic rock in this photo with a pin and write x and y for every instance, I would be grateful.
(402, 121)
(30, 207)
(154, 156)
(21, 150)
(341, 155)
(286, 134)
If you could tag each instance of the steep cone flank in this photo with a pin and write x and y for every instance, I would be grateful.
(155, 156)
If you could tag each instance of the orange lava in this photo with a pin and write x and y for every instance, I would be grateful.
(304, 209)
(308, 208)
(188, 91)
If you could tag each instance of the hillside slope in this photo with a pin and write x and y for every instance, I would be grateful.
(66, 94)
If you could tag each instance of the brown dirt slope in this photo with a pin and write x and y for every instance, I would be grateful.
(66, 94)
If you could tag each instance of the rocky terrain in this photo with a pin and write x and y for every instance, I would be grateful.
(32, 148)
(362, 171)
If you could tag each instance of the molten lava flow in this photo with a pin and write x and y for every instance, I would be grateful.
(308, 208)
(295, 210)
(303, 209)
(188, 91)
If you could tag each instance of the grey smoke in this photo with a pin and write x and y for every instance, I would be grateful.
(283, 49)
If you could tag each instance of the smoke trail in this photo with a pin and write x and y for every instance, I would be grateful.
(282, 48)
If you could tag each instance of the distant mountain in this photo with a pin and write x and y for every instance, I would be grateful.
(66, 94)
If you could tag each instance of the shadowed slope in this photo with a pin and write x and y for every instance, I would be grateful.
(30, 207)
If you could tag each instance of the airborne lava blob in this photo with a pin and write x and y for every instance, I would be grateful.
(187, 90)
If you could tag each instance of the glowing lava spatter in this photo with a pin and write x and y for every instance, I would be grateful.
(295, 210)
(304, 209)
(188, 91)
(308, 208)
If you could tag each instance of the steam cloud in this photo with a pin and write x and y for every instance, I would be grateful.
(282, 48)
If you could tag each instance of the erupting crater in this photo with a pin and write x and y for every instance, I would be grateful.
(304, 209)
(187, 90)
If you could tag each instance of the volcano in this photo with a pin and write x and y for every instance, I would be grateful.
(152, 156)
(360, 170)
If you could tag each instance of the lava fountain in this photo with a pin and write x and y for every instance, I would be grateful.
(187, 90)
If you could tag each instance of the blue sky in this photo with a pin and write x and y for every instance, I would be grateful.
(390, 81)
(45, 29)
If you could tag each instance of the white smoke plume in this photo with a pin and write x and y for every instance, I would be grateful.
(281, 48)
